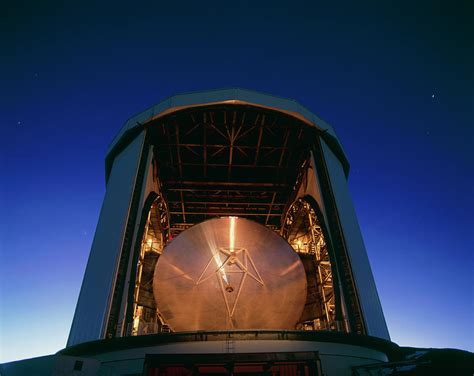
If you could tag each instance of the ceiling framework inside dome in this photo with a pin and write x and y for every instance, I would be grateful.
(226, 160)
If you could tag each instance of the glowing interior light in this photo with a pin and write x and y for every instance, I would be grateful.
(149, 242)
(232, 234)
(136, 324)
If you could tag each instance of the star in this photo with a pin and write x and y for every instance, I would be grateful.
(432, 96)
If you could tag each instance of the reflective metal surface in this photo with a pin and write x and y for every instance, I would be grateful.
(229, 273)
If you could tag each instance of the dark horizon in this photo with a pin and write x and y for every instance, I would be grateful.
(394, 80)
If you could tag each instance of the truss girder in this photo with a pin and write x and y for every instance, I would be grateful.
(228, 160)
(303, 231)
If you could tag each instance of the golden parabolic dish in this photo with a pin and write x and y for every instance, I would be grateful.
(229, 273)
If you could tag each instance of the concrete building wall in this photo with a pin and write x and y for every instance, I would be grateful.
(150, 185)
(97, 286)
(336, 359)
(311, 187)
(364, 280)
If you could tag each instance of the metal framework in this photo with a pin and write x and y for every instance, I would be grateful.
(228, 161)
(244, 266)
(146, 318)
(303, 231)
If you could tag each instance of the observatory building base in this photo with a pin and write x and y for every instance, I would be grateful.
(226, 353)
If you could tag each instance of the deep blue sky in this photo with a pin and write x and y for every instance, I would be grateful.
(395, 81)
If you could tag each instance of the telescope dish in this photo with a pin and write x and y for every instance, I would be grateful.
(229, 273)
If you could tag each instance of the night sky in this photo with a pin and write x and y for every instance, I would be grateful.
(395, 80)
